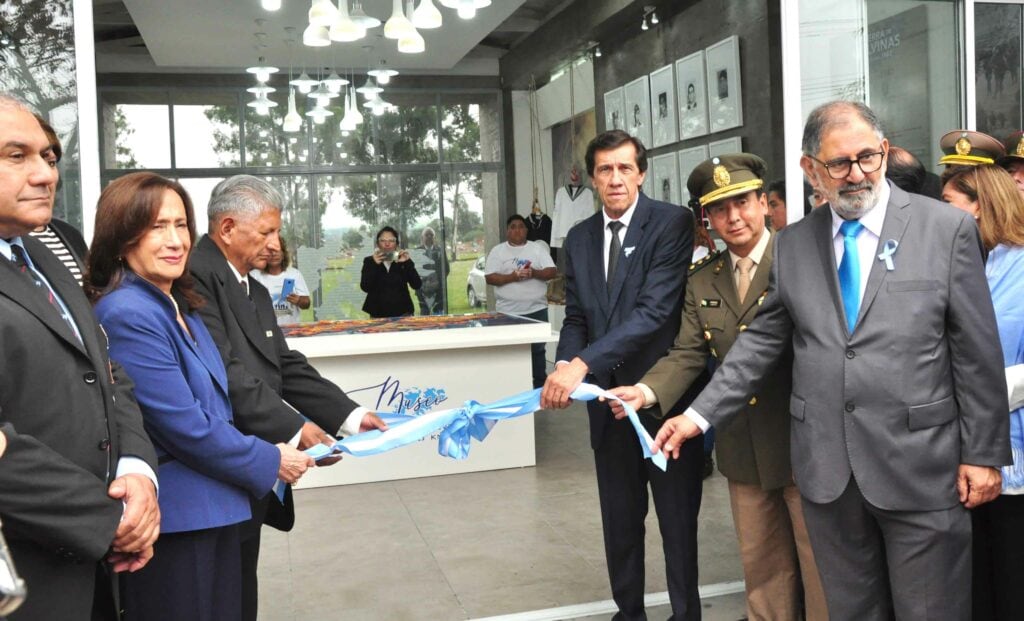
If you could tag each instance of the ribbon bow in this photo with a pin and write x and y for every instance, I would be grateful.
(888, 249)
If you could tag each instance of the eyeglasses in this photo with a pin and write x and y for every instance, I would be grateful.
(387, 240)
(840, 169)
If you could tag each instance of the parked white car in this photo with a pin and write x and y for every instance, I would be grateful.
(476, 284)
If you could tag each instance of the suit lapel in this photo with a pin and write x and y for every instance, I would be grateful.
(822, 218)
(893, 227)
(595, 262)
(634, 234)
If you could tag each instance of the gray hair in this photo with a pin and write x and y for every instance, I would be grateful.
(10, 100)
(243, 195)
(833, 114)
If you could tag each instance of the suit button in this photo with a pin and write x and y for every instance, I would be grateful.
(104, 444)
(753, 401)
(850, 354)
(743, 327)
(850, 407)
(90, 378)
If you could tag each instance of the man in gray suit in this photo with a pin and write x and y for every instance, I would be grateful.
(898, 411)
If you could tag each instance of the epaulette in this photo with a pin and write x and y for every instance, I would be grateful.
(706, 261)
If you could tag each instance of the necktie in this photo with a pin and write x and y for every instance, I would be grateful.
(743, 267)
(18, 258)
(849, 272)
(614, 249)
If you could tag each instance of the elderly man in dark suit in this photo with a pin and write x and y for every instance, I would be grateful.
(77, 483)
(899, 397)
(269, 384)
(625, 275)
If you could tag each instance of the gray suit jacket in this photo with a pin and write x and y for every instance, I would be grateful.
(917, 389)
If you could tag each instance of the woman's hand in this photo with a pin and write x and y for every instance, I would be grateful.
(403, 256)
(378, 256)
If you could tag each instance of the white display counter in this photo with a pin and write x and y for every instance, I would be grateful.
(418, 364)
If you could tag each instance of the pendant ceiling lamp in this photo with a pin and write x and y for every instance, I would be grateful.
(316, 36)
(382, 73)
(426, 15)
(344, 28)
(370, 89)
(270, 5)
(262, 104)
(262, 71)
(322, 13)
(466, 8)
(348, 122)
(360, 17)
(261, 89)
(334, 82)
(292, 120)
(319, 114)
(412, 41)
(304, 83)
(398, 24)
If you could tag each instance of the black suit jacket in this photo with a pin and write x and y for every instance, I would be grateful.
(70, 424)
(620, 335)
(387, 291)
(263, 373)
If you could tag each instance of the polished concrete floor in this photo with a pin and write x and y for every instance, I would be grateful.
(477, 545)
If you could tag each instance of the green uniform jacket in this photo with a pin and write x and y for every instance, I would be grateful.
(754, 448)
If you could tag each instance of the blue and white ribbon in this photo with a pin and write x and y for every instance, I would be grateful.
(458, 426)
(888, 249)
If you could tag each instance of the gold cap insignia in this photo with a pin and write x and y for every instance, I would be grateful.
(721, 176)
(963, 146)
(1020, 147)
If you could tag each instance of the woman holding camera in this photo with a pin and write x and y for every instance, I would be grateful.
(387, 275)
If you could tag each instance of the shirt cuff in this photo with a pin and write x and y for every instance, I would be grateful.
(134, 465)
(698, 420)
(1015, 386)
(649, 397)
(559, 363)
(351, 425)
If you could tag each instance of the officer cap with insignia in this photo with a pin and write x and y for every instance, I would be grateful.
(968, 148)
(725, 176)
(1015, 146)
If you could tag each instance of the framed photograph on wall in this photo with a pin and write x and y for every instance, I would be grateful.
(663, 107)
(613, 110)
(638, 109)
(725, 102)
(665, 186)
(728, 145)
(692, 96)
(688, 160)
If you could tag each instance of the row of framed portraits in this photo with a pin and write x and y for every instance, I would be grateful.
(667, 174)
(697, 95)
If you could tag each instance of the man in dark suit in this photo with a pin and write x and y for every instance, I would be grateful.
(271, 387)
(77, 483)
(625, 275)
(898, 411)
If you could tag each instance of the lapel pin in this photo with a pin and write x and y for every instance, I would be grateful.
(629, 250)
(888, 249)
(270, 333)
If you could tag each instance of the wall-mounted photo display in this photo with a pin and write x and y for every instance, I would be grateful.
(725, 102)
(691, 96)
(726, 146)
(663, 107)
(614, 108)
(688, 160)
(665, 183)
(638, 109)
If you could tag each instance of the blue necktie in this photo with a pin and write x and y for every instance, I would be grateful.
(849, 272)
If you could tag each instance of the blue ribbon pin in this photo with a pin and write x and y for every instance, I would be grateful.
(888, 249)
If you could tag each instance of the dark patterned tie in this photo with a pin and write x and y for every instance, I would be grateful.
(20, 261)
(614, 249)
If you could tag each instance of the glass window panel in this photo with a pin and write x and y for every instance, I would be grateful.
(266, 143)
(334, 147)
(997, 37)
(142, 136)
(206, 130)
(895, 55)
(407, 131)
(464, 197)
(199, 191)
(471, 128)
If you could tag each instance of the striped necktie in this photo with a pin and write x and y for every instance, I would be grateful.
(20, 260)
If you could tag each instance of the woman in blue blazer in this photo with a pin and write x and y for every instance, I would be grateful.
(144, 301)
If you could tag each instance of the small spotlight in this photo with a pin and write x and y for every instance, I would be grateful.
(654, 18)
(643, 24)
(597, 52)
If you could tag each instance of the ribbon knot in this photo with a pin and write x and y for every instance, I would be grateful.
(888, 249)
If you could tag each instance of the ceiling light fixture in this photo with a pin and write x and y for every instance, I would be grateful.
(322, 13)
(370, 89)
(292, 120)
(270, 5)
(383, 73)
(319, 114)
(316, 36)
(360, 17)
(398, 25)
(304, 83)
(262, 104)
(262, 71)
(426, 15)
(649, 14)
(344, 28)
(412, 41)
(334, 82)
(643, 24)
(466, 8)
(261, 89)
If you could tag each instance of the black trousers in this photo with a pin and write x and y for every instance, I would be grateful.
(193, 576)
(998, 577)
(623, 476)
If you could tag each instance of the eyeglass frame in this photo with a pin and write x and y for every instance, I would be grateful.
(849, 162)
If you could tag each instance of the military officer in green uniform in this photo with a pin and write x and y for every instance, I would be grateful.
(723, 294)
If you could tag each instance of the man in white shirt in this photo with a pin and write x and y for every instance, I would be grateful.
(518, 269)
(899, 403)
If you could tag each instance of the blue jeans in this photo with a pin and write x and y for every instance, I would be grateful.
(537, 351)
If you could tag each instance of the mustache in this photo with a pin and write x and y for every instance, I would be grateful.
(854, 187)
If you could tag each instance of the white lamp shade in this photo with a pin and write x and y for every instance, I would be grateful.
(334, 82)
(343, 29)
(382, 74)
(360, 17)
(398, 24)
(370, 89)
(304, 83)
(270, 5)
(261, 89)
(412, 43)
(316, 36)
(426, 15)
(466, 8)
(292, 120)
(322, 13)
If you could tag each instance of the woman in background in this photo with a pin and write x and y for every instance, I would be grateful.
(387, 275)
(287, 308)
(145, 302)
(989, 193)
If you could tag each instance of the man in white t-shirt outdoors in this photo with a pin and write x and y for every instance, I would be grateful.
(288, 305)
(519, 270)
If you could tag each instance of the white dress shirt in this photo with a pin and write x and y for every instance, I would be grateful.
(626, 217)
